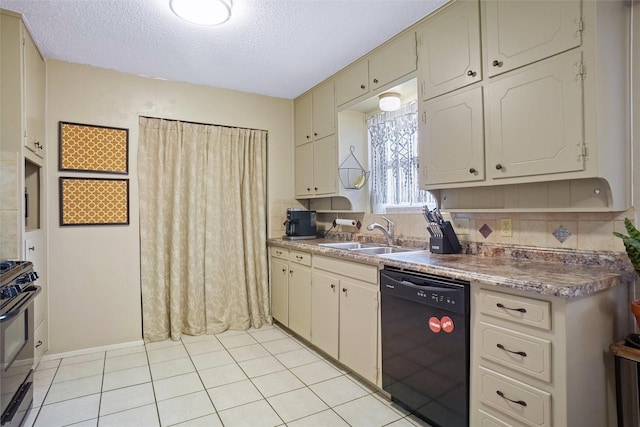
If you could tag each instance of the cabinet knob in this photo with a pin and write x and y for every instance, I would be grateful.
(472, 170)
(471, 73)
(333, 286)
(315, 188)
(32, 248)
(308, 189)
(362, 86)
(39, 343)
(496, 63)
(375, 81)
(315, 134)
(308, 137)
(284, 270)
(344, 290)
(498, 166)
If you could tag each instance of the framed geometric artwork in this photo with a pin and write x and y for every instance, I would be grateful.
(94, 201)
(89, 148)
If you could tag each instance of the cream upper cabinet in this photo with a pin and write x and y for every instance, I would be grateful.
(303, 119)
(536, 119)
(452, 138)
(34, 93)
(315, 144)
(383, 66)
(555, 107)
(449, 50)
(393, 60)
(522, 32)
(323, 110)
(352, 82)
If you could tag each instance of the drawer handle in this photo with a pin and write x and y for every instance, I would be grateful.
(519, 353)
(521, 310)
(299, 257)
(39, 343)
(518, 402)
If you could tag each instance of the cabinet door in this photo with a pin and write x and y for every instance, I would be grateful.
(452, 139)
(302, 119)
(536, 120)
(359, 327)
(352, 82)
(522, 32)
(304, 170)
(394, 60)
(280, 291)
(34, 91)
(300, 300)
(324, 110)
(324, 311)
(325, 166)
(35, 252)
(449, 50)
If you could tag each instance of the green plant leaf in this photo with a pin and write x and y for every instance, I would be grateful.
(633, 232)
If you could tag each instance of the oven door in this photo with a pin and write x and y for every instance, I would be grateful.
(16, 357)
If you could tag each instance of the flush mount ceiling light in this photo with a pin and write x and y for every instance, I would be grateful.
(202, 12)
(389, 101)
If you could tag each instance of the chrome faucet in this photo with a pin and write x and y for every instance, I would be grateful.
(388, 232)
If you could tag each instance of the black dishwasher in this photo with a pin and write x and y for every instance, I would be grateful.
(425, 345)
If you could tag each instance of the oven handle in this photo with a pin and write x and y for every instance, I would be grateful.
(15, 311)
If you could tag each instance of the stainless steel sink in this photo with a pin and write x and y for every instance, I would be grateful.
(348, 245)
(383, 250)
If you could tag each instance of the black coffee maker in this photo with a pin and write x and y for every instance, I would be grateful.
(300, 224)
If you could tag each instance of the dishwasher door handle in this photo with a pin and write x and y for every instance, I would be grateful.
(407, 284)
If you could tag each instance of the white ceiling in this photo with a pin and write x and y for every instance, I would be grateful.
(272, 47)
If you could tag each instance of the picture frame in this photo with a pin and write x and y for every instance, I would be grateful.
(92, 148)
(93, 201)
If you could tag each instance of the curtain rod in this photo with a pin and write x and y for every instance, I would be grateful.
(203, 124)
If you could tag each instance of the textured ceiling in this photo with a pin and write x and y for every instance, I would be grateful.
(271, 47)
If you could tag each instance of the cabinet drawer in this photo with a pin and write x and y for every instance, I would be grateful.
(281, 253)
(526, 311)
(520, 401)
(364, 272)
(487, 420)
(300, 257)
(524, 353)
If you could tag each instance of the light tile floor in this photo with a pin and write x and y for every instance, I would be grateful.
(261, 377)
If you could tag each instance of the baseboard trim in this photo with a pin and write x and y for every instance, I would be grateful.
(91, 350)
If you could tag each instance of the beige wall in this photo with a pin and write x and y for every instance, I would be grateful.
(94, 277)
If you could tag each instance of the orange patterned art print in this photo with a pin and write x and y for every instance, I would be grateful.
(90, 148)
(88, 201)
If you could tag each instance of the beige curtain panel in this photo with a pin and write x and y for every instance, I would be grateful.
(202, 228)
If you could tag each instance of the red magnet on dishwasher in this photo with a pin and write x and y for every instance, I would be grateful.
(447, 324)
(434, 325)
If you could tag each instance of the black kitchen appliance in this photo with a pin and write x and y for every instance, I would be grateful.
(300, 224)
(17, 294)
(425, 345)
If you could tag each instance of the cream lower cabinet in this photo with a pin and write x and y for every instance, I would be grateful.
(35, 251)
(538, 361)
(291, 290)
(344, 313)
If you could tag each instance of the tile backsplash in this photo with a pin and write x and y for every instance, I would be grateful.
(584, 231)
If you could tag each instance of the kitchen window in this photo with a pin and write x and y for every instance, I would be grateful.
(393, 144)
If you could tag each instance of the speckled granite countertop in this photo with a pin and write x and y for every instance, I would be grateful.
(558, 273)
